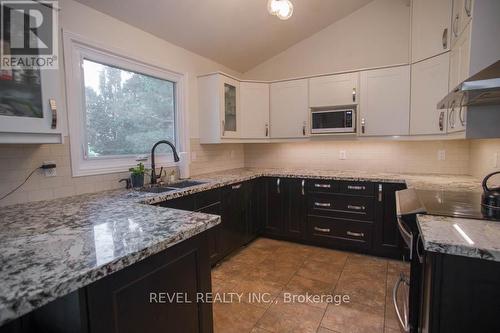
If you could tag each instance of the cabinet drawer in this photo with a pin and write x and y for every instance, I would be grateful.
(322, 185)
(207, 198)
(357, 188)
(340, 232)
(342, 206)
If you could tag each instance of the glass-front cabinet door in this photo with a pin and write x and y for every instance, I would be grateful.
(30, 97)
(230, 107)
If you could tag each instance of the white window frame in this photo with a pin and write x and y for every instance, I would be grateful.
(76, 49)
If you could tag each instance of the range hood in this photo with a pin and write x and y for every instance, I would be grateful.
(480, 89)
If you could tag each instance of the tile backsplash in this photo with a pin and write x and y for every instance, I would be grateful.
(484, 157)
(17, 161)
(377, 156)
(474, 157)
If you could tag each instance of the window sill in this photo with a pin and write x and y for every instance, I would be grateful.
(94, 171)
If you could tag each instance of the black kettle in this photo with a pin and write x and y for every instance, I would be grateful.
(490, 199)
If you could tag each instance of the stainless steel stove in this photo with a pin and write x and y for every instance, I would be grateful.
(456, 204)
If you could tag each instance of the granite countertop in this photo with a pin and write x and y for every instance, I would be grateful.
(459, 236)
(51, 248)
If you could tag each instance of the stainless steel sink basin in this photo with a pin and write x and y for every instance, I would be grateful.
(186, 183)
(157, 189)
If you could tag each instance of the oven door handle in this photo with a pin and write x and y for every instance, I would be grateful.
(406, 235)
(403, 321)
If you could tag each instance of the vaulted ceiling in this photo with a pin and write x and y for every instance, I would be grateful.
(239, 34)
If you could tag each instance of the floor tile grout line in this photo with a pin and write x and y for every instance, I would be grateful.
(334, 287)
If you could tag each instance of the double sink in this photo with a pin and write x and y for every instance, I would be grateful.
(171, 187)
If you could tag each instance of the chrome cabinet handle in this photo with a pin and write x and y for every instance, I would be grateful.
(404, 322)
(441, 121)
(468, 7)
(322, 204)
(363, 125)
(380, 190)
(323, 185)
(322, 229)
(278, 185)
(445, 38)
(53, 110)
(356, 187)
(355, 234)
(236, 187)
(223, 127)
(461, 113)
(302, 186)
(454, 25)
(267, 129)
(304, 129)
(354, 94)
(356, 207)
(451, 116)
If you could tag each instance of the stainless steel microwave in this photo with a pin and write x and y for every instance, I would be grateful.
(325, 121)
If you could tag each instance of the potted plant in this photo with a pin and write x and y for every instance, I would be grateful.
(137, 175)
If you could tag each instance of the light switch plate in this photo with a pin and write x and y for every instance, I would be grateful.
(441, 155)
(342, 155)
(193, 156)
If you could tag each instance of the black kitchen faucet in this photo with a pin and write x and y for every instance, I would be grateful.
(154, 177)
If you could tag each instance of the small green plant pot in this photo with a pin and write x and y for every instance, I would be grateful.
(137, 180)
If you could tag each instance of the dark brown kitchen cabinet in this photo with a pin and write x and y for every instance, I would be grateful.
(459, 294)
(387, 239)
(122, 301)
(286, 208)
(234, 213)
(210, 202)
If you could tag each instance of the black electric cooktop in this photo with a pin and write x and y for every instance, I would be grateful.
(456, 204)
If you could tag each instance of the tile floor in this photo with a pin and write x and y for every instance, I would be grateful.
(278, 269)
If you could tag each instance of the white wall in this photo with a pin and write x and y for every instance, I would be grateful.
(377, 34)
(17, 161)
(116, 34)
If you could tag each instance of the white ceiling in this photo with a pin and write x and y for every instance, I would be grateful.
(239, 34)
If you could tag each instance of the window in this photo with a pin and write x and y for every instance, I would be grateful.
(119, 108)
(125, 112)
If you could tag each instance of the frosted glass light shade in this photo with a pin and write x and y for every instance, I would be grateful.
(283, 9)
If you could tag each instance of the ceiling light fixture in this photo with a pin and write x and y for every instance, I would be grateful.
(283, 9)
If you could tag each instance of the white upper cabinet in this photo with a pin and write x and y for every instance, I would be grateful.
(460, 59)
(254, 102)
(334, 90)
(289, 109)
(218, 100)
(462, 14)
(429, 84)
(385, 101)
(31, 109)
(431, 24)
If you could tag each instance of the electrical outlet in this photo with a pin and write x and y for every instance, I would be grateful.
(49, 172)
(441, 155)
(342, 155)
